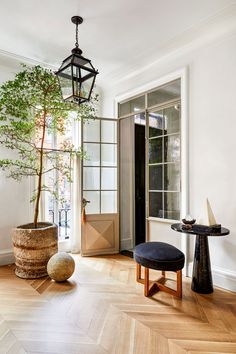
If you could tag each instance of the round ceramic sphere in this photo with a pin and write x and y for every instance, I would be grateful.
(60, 266)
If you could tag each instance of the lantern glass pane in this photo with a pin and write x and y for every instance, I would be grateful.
(76, 81)
(76, 73)
(65, 83)
(84, 73)
(89, 65)
(86, 87)
(76, 87)
(66, 73)
(65, 63)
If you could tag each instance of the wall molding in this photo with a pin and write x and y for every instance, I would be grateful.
(6, 257)
(222, 278)
(22, 59)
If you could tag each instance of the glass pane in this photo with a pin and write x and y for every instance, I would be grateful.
(155, 205)
(91, 131)
(155, 177)
(65, 63)
(172, 177)
(109, 202)
(109, 178)
(108, 131)
(172, 148)
(66, 87)
(139, 118)
(156, 123)
(76, 84)
(124, 109)
(109, 155)
(91, 178)
(59, 211)
(63, 185)
(64, 222)
(172, 123)
(155, 150)
(164, 94)
(135, 105)
(172, 208)
(86, 87)
(94, 206)
(92, 154)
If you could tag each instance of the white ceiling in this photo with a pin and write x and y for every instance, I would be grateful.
(115, 33)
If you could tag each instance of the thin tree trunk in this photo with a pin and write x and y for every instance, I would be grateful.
(40, 176)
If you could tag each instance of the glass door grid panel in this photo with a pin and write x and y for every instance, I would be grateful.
(100, 166)
(164, 162)
(157, 109)
(162, 95)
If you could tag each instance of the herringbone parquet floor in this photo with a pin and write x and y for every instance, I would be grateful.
(101, 310)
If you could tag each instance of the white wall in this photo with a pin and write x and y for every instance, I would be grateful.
(14, 196)
(212, 143)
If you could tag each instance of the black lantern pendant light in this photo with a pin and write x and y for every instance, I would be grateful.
(76, 74)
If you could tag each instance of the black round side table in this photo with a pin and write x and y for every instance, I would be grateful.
(202, 277)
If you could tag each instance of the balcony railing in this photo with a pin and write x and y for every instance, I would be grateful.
(63, 222)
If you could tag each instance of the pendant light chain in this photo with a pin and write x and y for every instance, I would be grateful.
(76, 36)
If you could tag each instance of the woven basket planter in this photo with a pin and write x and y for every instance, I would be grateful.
(33, 248)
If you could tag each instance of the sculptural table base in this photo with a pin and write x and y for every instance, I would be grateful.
(202, 278)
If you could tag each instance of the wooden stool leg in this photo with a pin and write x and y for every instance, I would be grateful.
(138, 272)
(179, 283)
(151, 287)
(146, 281)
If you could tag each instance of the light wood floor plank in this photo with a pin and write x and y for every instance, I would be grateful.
(102, 310)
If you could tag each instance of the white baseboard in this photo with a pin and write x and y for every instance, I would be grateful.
(223, 278)
(7, 257)
(64, 246)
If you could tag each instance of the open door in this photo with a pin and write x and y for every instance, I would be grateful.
(100, 225)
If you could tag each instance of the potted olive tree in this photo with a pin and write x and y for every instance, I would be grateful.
(31, 108)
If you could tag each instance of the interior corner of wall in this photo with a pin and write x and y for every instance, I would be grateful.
(6, 257)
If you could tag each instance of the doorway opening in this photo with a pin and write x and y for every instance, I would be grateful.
(150, 146)
(140, 225)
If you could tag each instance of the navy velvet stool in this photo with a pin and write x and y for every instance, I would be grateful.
(159, 256)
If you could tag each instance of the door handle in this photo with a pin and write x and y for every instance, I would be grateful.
(85, 202)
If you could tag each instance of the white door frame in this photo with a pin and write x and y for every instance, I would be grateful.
(183, 75)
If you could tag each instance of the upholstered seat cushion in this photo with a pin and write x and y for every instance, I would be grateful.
(159, 256)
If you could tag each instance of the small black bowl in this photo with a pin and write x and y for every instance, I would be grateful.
(189, 222)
